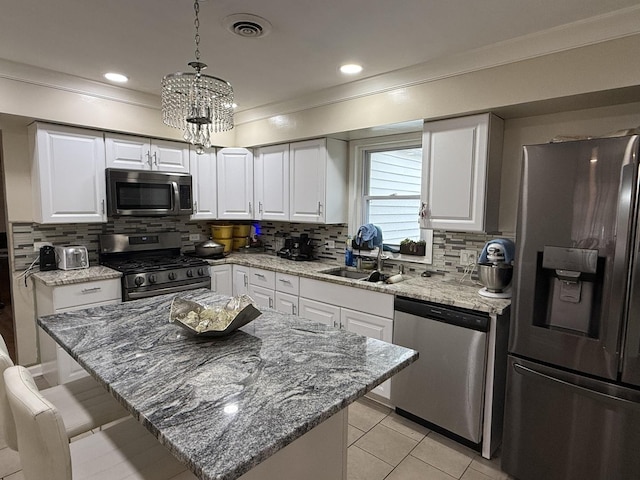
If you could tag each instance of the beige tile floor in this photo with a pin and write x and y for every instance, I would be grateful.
(382, 445)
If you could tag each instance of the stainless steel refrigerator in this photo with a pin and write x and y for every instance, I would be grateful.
(573, 386)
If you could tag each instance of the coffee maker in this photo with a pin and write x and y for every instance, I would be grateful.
(495, 268)
(297, 248)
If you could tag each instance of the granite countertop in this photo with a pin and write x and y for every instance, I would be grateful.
(436, 288)
(54, 278)
(282, 374)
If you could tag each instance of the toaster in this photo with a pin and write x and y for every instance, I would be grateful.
(72, 257)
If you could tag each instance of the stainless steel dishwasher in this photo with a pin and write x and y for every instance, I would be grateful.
(445, 386)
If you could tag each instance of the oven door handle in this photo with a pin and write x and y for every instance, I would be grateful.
(161, 291)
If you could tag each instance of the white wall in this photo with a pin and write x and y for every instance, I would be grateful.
(541, 129)
(578, 72)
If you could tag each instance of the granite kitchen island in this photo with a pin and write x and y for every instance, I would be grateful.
(260, 403)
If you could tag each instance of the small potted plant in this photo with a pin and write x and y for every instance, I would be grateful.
(412, 247)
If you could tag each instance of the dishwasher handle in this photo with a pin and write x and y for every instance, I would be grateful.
(442, 313)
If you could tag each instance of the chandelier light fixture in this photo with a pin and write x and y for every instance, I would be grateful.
(198, 104)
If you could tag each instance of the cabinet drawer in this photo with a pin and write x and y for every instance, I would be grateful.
(287, 283)
(375, 303)
(79, 294)
(262, 278)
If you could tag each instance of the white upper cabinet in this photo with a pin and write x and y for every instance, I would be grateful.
(139, 153)
(68, 174)
(318, 181)
(271, 183)
(203, 173)
(235, 184)
(462, 160)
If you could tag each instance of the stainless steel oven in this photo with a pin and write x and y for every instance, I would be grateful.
(142, 193)
(151, 264)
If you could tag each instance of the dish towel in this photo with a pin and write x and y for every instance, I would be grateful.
(509, 250)
(369, 236)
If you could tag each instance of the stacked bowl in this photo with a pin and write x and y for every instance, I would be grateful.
(223, 234)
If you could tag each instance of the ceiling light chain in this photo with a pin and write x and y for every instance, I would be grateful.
(196, 23)
(198, 104)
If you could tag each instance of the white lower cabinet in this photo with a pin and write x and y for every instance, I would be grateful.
(286, 303)
(57, 366)
(370, 326)
(264, 297)
(221, 279)
(353, 309)
(240, 283)
(320, 312)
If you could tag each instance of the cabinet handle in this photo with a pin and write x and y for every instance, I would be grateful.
(246, 281)
(250, 208)
(195, 207)
(103, 206)
(155, 158)
(284, 280)
(259, 207)
(259, 275)
(293, 310)
(319, 208)
(424, 211)
(149, 158)
(270, 302)
(335, 324)
(91, 290)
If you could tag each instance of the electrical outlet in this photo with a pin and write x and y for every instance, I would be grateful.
(38, 245)
(468, 257)
(194, 237)
(331, 244)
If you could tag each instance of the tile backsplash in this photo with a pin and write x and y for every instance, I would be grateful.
(87, 234)
(446, 245)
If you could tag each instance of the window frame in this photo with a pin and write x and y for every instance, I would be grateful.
(358, 178)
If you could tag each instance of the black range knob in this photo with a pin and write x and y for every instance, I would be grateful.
(138, 281)
(152, 278)
(189, 273)
(201, 271)
(172, 275)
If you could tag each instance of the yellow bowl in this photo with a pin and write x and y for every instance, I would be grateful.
(241, 230)
(239, 242)
(227, 242)
(221, 231)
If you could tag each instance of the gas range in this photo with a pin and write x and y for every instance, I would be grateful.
(152, 264)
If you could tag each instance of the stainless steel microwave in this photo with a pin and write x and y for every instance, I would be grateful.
(141, 193)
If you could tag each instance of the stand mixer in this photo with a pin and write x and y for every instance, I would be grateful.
(495, 269)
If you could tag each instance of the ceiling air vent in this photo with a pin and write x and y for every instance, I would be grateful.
(247, 25)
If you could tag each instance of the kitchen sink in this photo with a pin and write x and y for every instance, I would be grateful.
(344, 273)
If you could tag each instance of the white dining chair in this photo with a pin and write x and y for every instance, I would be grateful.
(124, 450)
(83, 404)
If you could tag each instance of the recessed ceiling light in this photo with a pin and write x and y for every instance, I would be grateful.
(116, 77)
(351, 69)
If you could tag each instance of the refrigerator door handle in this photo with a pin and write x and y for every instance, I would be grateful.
(620, 282)
(593, 394)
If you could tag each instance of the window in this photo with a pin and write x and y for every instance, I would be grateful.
(391, 191)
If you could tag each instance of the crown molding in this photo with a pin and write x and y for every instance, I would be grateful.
(41, 77)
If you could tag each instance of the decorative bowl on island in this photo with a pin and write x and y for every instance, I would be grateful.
(215, 320)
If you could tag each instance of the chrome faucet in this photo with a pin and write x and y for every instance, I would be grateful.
(380, 263)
